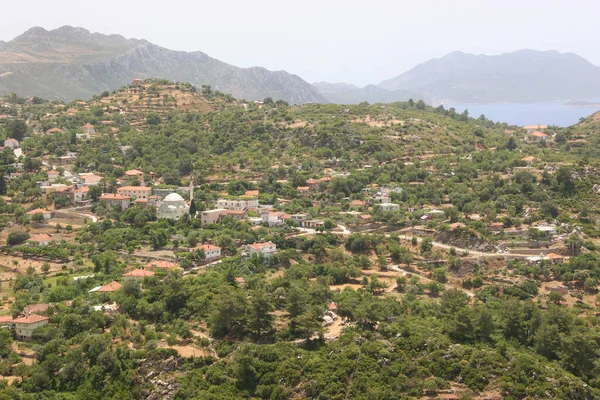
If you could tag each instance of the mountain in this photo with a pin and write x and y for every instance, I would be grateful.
(521, 76)
(344, 93)
(68, 63)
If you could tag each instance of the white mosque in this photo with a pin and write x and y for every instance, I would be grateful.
(173, 207)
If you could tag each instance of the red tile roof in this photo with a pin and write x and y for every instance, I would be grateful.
(139, 273)
(114, 196)
(111, 287)
(207, 247)
(161, 264)
(38, 211)
(259, 246)
(41, 238)
(138, 188)
(30, 319)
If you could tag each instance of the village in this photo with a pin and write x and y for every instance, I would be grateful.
(100, 218)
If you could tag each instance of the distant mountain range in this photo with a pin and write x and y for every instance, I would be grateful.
(69, 63)
(523, 76)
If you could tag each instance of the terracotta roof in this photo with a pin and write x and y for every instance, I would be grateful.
(139, 273)
(114, 196)
(357, 203)
(554, 256)
(133, 172)
(207, 247)
(366, 216)
(303, 187)
(5, 319)
(87, 126)
(41, 238)
(111, 287)
(325, 179)
(161, 264)
(30, 319)
(141, 200)
(138, 188)
(236, 212)
(259, 246)
(252, 193)
(312, 182)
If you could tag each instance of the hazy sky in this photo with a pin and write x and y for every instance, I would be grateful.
(327, 40)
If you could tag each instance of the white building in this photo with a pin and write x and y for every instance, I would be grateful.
(389, 207)
(238, 204)
(267, 249)
(210, 251)
(173, 207)
(25, 326)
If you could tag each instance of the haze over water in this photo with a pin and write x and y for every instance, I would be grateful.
(522, 114)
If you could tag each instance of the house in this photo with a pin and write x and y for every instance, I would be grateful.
(161, 265)
(300, 218)
(313, 183)
(54, 130)
(313, 224)
(303, 190)
(536, 137)
(53, 175)
(210, 251)
(236, 214)
(555, 258)
(137, 275)
(267, 249)
(238, 204)
(90, 179)
(357, 203)
(40, 240)
(548, 230)
(25, 326)
(45, 213)
(496, 227)
(389, 207)
(77, 195)
(88, 130)
(11, 143)
(137, 192)
(533, 128)
(274, 218)
(212, 216)
(115, 201)
(135, 174)
(108, 288)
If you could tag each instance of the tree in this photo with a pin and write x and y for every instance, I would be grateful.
(16, 129)
(45, 267)
(260, 319)
(95, 192)
(426, 245)
(153, 119)
(574, 243)
(193, 208)
(555, 297)
(16, 238)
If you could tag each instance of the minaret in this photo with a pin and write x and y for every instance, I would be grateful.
(191, 188)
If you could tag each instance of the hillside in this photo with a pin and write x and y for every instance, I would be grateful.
(69, 63)
(521, 76)
(330, 251)
(343, 93)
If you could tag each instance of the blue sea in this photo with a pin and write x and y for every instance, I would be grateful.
(522, 114)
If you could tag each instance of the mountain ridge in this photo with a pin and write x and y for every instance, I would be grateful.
(71, 62)
(520, 76)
